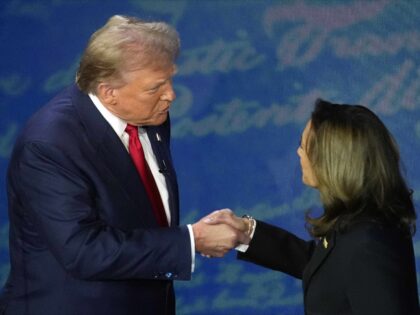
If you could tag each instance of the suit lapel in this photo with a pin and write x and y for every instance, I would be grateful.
(125, 173)
(110, 149)
(161, 150)
(322, 250)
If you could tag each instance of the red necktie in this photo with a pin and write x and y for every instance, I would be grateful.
(137, 155)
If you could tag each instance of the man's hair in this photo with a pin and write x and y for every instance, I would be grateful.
(356, 162)
(122, 45)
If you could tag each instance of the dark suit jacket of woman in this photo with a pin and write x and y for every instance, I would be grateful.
(368, 270)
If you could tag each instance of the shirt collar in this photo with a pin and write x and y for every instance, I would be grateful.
(116, 123)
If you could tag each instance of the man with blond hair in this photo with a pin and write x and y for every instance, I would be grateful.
(93, 196)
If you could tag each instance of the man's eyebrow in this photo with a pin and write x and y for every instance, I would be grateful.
(159, 83)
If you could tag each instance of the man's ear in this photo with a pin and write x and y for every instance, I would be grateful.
(106, 94)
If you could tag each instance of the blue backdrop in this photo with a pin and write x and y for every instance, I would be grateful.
(249, 72)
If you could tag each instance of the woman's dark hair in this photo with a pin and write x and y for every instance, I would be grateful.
(357, 165)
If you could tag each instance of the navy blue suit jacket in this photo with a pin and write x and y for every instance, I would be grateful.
(83, 237)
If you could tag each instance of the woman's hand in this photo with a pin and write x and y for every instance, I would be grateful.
(226, 216)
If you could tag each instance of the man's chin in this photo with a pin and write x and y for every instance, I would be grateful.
(160, 119)
(155, 121)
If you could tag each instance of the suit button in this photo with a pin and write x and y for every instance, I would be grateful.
(168, 275)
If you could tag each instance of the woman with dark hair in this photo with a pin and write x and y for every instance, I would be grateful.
(361, 258)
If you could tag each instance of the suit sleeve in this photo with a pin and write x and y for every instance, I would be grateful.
(275, 248)
(382, 278)
(57, 203)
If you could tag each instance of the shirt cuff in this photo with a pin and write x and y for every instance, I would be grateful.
(190, 229)
(243, 247)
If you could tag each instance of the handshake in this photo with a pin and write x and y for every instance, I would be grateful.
(220, 231)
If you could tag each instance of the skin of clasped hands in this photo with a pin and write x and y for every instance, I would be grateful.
(219, 232)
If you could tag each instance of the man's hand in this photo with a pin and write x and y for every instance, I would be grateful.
(226, 216)
(216, 239)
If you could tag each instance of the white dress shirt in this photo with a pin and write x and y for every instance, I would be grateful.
(119, 126)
